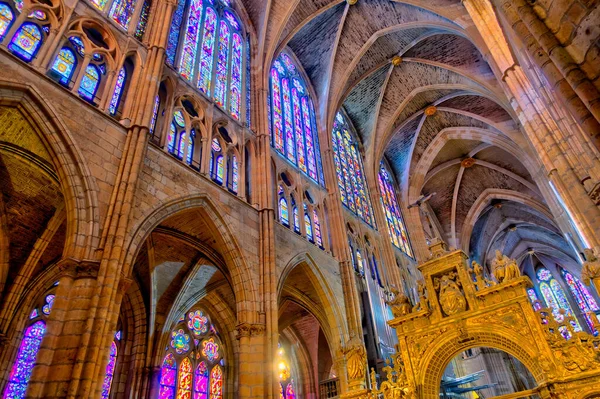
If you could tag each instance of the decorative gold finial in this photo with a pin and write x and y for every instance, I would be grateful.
(352, 2)
(467, 162)
(396, 60)
(430, 111)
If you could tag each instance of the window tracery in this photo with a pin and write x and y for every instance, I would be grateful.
(554, 296)
(393, 215)
(29, 347)
(349, 170)
(122, 12)
(193, 364)
(206, 46)
(583, 298)
(292, 119)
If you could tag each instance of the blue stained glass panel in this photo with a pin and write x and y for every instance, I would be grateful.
(121, 12)
(110, 371)
(233, 22)
(64, 65)
(143, 20)
(89, 83)
(6, 19)
(190, 43)
(207, 51)
(173, 39)
(222, 65)
(236, 76)
(118, 92)
(26, 41)
(284, 216)
(21, 371)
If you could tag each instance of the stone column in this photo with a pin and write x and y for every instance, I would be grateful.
(250, 367)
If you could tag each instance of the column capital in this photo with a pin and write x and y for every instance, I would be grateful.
(78, 269)
(249, 330)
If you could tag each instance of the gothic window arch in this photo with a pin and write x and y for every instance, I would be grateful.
(123, 13)
(206, 45)
(583, 298)
(217, 161)
(308, 224)
(554, 296)
(7, 17)
(109, 373)
(29, 346)
(393, 215)
(122, 83)
(284, 211)
(193, 362)
(292, 118)
(349, 170)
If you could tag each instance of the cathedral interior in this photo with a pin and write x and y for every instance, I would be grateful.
(300, 199)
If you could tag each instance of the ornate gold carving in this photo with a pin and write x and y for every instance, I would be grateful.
(396, 60)
(480, 281)
(438, 248)
(591, 267)
(504, 269)
(396, 386)
(430, 111)
(356, 359)
(399, 304)
(423, 302)
(452, 299)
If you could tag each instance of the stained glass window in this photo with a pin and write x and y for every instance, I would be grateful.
(582, 296)
(168, 377)
(171, 138)
(154, 114)
(296, 217)
(393, 214)
(292, 126)
(318, 238)
(181, 146)
(234, 174)
(534, 298)
(177, 135)
(207, 50)
(236, 76)
(554, 296)
(100, 4)
(283, 211)
(118, 92)
(308, 224)
(47, 308)
(110, 370)
(26, 41)
(220, 169)
(289, 394)
(190, 43)
(190, 147)
(349, 170)
(222, 61)
(195, 373)
(173, 39)
(143, 20)
(89, 83)
(6, 19)
(64, 65)
(360, 266)
(121, 12)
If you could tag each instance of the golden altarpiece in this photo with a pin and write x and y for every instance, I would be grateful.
(460, 309)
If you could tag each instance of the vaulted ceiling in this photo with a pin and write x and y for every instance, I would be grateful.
(347, 51)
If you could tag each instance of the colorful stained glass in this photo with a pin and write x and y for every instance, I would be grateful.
(118, 92)
(190, 149)
(236, 76)
(248, 74)
(284, 216)
(100, 4)
(173, 39)
(360, 266)
(26, 41)
(318, 238)
(308, 224)
(391, 209)
(154, 114)
(296, 219)
(534, 298)
(276, 111)
(143, 20)
(215, 145)
(184, 385)
(300, 148)
(207, 53)
(78, 45)
(47, 308)
(181, 146)
(34, 313)
(225, 2)
(289, 64)
(582, 296)
(290, 143)
(233, 22)
(544, 275)
(171, 138)
(222, 65)
(89, 83)
(21, 371)
(180, 341)
(210, 349)
(190, 42)
(64, 65)
(554, 296)
(6, 19)
(289, 392)
(281, 391)
(311, 149)
(198, 322)
(179, 119)
(234, 174)
(121, 12)
(110, 371)
(349, 169)
(220, 169)
(201, 381)
(216, 383)
(168, 375)
(118, 335)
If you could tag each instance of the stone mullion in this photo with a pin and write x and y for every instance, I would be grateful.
(571, 85)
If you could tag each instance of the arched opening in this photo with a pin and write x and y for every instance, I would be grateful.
(484, 372)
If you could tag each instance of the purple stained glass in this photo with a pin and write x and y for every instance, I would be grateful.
(248, 74)
(47, 308)
(310, 142)
(21, 370)
(222, 63)
(207, 53)
(143, 20)
(121, 12)
(100, 4)
(277, 111)
(154, 114)
(181, 146)
(289, 392)
(168, 377)
(173, 40)
(215, 145)
(233, 22)
(308, 224)
(534, 299)
(544, 274)
(110, 371)
(190, 150)
(236, 76)
(64, 65)
(226, 2)
(210, 349)
(198, 322)
(180, 341)
(78, 44)
(220, 169)
(26, 41)
(118, 335)
(289, 64)
(190, 44)
(171, 138)
(201, 381)
(6, 19)
(300, 149)
(318, 238)
(582, 296)
(118, 92)
(287, 118)
(34, 313)
(393, 215)
(179, 119)
(234, 174)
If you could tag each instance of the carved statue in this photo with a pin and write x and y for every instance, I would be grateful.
(452, 300)
(399, 304)
(396, 385)
(480, 280)
(504, 269)
(356, 359)
(591, 267)
(423, 302)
